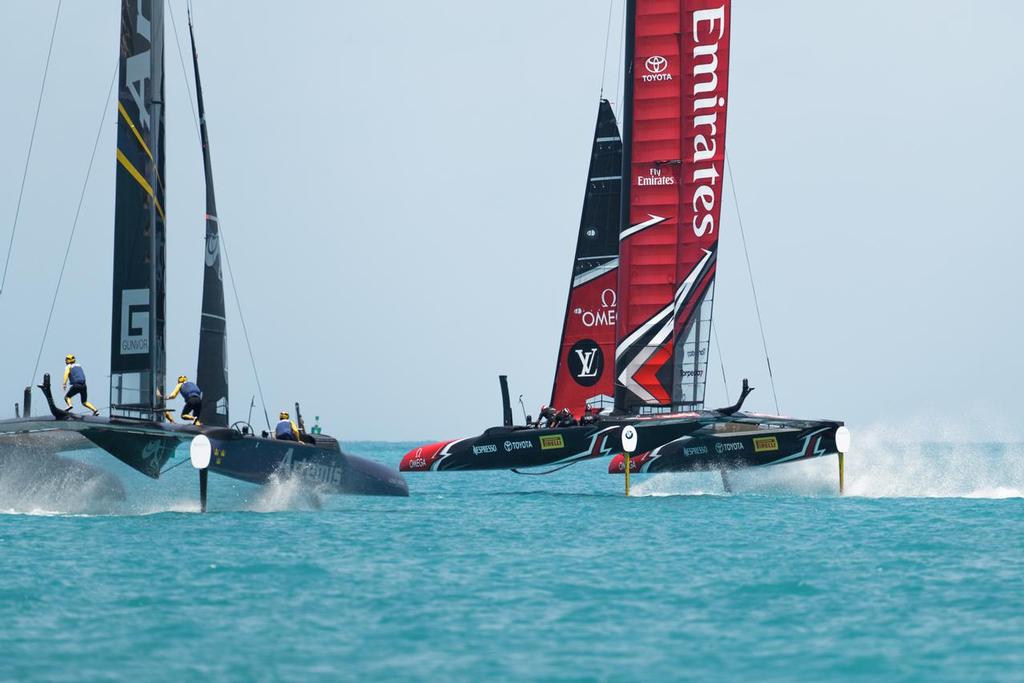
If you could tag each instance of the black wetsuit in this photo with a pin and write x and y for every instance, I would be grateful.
(546, 419)
(565, 419)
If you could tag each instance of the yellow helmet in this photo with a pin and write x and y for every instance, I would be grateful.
(70, 358)
(182, 379)
(284, 415)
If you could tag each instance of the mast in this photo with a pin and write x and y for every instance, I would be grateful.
(676, 63)
(137, 348)
(212, 366)
(584, 373)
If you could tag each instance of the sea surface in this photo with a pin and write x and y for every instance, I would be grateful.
(917, 574)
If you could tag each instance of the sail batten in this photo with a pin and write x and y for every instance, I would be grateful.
(138, 351)
(212, 365)
(677, 62)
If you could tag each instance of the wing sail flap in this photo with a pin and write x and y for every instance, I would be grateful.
(677, 73)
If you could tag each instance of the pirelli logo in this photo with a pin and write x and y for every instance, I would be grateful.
(765, 443)
(551, 441)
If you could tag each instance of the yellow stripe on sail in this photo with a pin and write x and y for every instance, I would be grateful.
(123, 160)
(131, 124)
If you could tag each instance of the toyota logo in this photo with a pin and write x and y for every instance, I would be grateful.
(508, 446)
(656, 64)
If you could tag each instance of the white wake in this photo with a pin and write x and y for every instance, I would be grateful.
(286, 492)
(883, 463)
(46, 484)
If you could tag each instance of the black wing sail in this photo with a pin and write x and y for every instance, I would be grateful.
(137, 348)
(212, 372)
(584, 374)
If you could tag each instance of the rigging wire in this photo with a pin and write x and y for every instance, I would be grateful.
(223, 243)
(74, 224)
(753, 289)
(721, 361)
(607, 35)
(184, 71)
(245, 330)
(618, 71)
(28, 156)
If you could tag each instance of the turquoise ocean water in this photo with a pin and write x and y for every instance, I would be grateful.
(918, 574)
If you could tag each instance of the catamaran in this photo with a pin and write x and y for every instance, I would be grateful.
(643, 283)
(136, 430)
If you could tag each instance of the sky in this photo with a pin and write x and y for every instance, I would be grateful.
(399, 188)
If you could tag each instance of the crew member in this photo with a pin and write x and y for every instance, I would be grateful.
(193, 397)
(74, 374)
(286, 429)
(547, 415)
(565, 418)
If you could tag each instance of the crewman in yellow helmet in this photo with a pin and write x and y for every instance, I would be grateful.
(74, 374)
(193, 397)
(286, 429)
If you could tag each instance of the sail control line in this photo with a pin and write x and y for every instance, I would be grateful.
(28, 154)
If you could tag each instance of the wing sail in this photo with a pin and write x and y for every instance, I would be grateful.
(584, 374)
(674, 148)
(212, 371)
(137, 350)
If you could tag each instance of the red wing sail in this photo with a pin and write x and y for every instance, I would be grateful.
(584, 375)
(677, 77)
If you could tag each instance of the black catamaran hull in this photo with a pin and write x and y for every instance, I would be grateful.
(798, 440)
(669, 443)
(502, 448)
(148, 446)
(256, 460)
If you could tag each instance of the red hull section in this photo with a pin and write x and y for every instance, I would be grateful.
(617, 465)
(421, 458)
